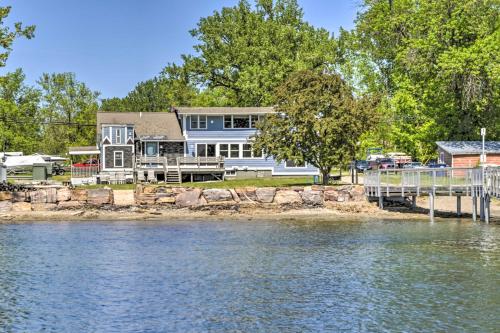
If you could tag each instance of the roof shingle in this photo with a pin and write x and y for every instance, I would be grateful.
(469, 147)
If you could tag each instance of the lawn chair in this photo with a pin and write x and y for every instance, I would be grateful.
(140, 176)
(120, 177)
(105, 179)
(152, 177)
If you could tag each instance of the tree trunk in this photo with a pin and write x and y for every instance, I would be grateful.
(325, 175)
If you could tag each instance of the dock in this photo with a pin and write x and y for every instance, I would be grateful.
(479, 184)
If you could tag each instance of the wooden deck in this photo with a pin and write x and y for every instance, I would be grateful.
(482, 183)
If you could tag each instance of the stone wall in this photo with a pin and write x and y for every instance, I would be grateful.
(309, 196)
(53, 198)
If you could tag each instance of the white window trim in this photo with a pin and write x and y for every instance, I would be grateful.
(118, 135)
(240, 128)
(114, 159)
(198, 122)
(206, 149)
(240, 151)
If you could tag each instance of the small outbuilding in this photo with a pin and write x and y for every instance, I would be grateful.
(468, 153)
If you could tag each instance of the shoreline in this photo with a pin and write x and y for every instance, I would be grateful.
(136, 213)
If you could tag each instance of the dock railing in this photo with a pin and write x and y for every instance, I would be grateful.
(436, 181)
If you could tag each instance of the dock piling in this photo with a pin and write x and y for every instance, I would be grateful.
(474, 208)
(481, 208)
(413, 202)
(459, 205)
(431, 206)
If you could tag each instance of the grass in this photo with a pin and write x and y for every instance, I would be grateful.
(257, 182)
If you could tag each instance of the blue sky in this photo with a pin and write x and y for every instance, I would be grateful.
(111, 45)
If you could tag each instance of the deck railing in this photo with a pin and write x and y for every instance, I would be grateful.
(469, 181)
(175, 161)
(84, 172)
(216, 162)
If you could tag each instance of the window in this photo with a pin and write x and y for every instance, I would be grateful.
(254, 119)
(118, 135)
(130, 133)
(198, 122)
(247, 150)
(294, 164)
(205, 150)
(224, 149)
(235, 150)
(228, 122)
(241, 121)
(118, 159)
(151, 148)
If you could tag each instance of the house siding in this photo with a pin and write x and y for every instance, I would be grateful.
(128, 156)
(467, 161)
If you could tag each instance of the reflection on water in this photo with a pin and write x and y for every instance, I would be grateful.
(249, 276)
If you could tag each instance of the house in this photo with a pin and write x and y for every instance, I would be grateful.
(467, 153)
(189, 143)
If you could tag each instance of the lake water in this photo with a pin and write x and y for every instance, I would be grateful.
(249, 276)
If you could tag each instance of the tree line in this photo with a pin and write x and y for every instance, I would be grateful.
(408, 74)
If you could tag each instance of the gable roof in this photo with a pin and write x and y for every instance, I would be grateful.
(164, 125)
(469, 147)
(224, 110)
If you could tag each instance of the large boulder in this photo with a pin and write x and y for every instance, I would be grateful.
(331, 195)
(265, 194)
(217, 195)
(189, 198)
(69, 204)
(165, 200)
(41, 207)
(312, 197)
(145, 198)
(79, 194)
(5, 196)
(358, 194)
(287, 197)
(149, 189)
(235, 196)
(38, 196)
(63, 194)
(100, 196)
(19, 196)
(247, 193)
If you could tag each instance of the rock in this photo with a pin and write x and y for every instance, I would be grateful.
(318, 187)
(145, 198)
(39, 207)
(5, 206)
(312, 198)
(19, 196)
(216, 195)
(165, 200)
(235, 196)
(69, 204)
(149, 189)
(163, 190)
(287, 197)
(246, 193)
(63, 194)
(189, 198)
(79, 195)
(343, 196)
(51, 195)
(357, 193)
(21, 206)
(39, 196)
(4, 196)
(330, 195)
(265, 194)
(178, 190)
(164, 195)
(100, 196)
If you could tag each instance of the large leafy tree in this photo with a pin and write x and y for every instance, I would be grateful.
(69, 109)
(8, 35)
(317, 120)
(19, 114)
(246, 51)
(171, 87)
(437, 63)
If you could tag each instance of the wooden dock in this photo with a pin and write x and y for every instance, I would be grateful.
(480, 183)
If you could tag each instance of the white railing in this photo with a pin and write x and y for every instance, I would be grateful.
(84, 171)
(216, 162)
(469, 181)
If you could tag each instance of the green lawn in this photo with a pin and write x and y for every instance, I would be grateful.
(257, 182)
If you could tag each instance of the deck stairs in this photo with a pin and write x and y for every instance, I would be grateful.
(172, 176)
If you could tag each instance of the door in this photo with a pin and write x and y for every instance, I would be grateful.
(205, 150)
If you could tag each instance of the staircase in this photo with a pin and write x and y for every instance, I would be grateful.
(173, 176)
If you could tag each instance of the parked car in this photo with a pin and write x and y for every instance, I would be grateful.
(362, 165)
(87, 163)
(386, 163)
(413, 165)
(437, 165)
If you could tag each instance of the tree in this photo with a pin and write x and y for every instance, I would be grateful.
(247, 52)
(8, 35)
(19, 114)
(317, 120)
(171, 87)
(437, 63)
(69, 109)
